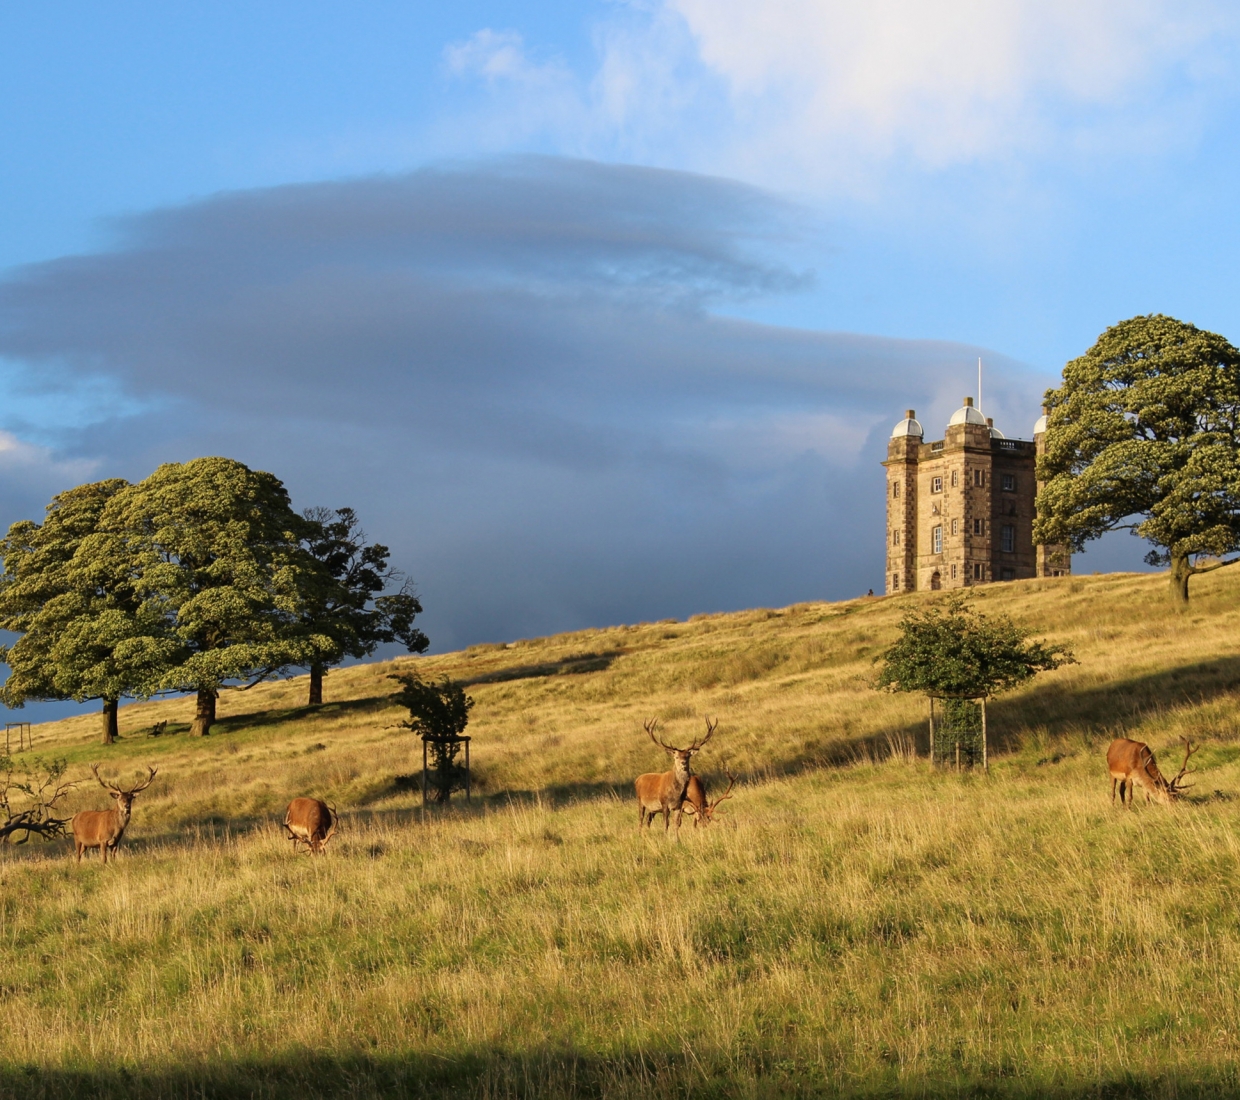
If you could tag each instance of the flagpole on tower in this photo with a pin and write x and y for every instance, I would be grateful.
(979, 384)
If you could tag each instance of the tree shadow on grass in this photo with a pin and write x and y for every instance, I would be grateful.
(235, 723)
(1060, 709)
(568, 666)
(563, 1073)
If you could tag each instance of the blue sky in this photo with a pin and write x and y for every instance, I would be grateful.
(596, 312)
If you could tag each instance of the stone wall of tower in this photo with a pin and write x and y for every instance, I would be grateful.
(902, 455)
(960, 511)
(1053, 560)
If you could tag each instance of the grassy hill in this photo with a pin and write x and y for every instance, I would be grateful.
(860, 924)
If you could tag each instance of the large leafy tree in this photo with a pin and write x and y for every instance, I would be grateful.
(1144, 435)
(346, 604)
(218, 548)
(86, 632)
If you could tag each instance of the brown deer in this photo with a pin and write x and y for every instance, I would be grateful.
(103, 829)
(1132, 764)
(663, 792)
(696, 803)
(310, 822)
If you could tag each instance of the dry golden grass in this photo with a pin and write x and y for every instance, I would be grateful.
(861, 925)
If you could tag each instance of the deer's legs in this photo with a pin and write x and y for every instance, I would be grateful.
(1113, 782)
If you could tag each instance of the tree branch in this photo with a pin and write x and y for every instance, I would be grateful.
(1195, 569)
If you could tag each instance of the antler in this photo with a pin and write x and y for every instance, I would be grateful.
(710, 729)
(650, 727)
(1175, 785)
(147, 783)
(103, 783)
(726, 794)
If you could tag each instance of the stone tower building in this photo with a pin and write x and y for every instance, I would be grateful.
(960, 511)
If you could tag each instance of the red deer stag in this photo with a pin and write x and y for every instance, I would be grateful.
(310, 822)
(663, 792)
(103, 829)
(1132, 764)
(696, 803)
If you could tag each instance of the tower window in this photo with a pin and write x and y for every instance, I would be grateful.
(895, 582)
(953, 570)
(979, 527)
(1009, 483)
(955, 478)
(895, 538)
(978, 570)
(955, 529)
(895, 490)
(1009, 540)
(979, 478)
(1008, 574)
(937, 538)
(936, 485)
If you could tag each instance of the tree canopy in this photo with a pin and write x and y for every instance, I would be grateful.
(345, 604)
(1144, 435)
(952, 651)
(86, 631)
(218, 548)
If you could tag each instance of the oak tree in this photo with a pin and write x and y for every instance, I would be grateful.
(85, 630)
(1144, 435)
(218, 548)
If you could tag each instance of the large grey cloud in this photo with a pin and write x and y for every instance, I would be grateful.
(523, 373)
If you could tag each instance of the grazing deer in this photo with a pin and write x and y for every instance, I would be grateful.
(310, 822)
(103, 829)
(663, 792)
(1132, 764)
(695, 799)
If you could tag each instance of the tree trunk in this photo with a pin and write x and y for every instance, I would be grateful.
(316, 685)
(204, 717)
(1181, 570)
(111, 731)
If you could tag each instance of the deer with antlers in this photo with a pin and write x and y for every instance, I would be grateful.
(663, 792)
(1132, 764)
(696, 803)
(310, 822)
(103, 829)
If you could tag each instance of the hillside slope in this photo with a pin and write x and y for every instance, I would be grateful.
(860, 924)
(791, 688)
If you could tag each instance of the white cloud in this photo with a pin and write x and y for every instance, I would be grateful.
(807, 93)
(501, 56)
(945, 81)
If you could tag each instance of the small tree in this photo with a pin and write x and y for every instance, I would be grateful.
(439, 713)
(950, 651)
(1144, 435)
(346, 604)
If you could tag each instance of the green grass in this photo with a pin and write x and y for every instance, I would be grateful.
(859, 925)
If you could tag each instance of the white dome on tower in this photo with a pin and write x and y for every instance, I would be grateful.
(908, 426)
(1040, 425)
(967, 414)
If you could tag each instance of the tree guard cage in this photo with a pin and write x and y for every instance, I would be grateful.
(25, 739)
(959, 737)
(441, 774)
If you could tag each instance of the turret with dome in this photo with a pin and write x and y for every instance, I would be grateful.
(960, 511)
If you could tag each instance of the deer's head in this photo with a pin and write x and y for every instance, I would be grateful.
(124, 798)
(680, 757)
